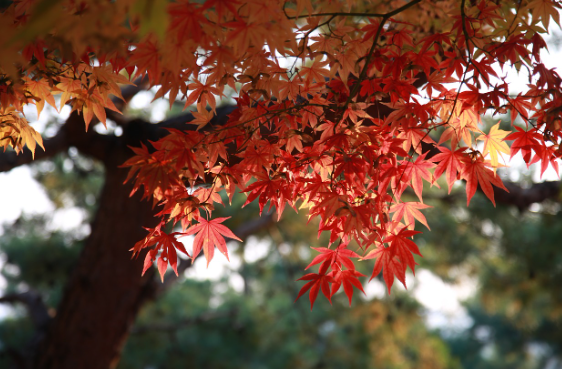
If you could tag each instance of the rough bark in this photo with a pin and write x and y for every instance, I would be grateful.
(106, 290)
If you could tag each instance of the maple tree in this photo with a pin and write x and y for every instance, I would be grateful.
(341, 108)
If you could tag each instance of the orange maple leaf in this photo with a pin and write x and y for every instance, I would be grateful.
(543, 10)
(202, 116)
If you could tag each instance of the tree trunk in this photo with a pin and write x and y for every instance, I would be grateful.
(106, 290)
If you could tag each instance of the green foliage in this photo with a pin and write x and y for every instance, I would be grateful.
(514, 256)
(37, 258)
(71, 179)
(261, 327)
(15, 334)
(33, 258)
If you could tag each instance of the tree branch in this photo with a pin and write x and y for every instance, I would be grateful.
(128, 92)
(34, 304)
(522, 198)
(351, 14)
(89, 142)
(518, 196)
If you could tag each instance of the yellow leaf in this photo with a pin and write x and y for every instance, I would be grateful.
(30, 137)
(88, 114)
(493, 142)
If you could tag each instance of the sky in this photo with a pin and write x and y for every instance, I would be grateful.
(20, 193)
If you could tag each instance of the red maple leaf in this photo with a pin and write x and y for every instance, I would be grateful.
(476, 172)
(409, 212)
(394, 259)
(165, 242)
(389, 264)
(209, 233)
(416, 171)
(402, 246)
(349, 280)
(338, 256)
(526, 142)
(317, 282)
(450, 162)
(520, 105)
(546, 155)
(267, 189)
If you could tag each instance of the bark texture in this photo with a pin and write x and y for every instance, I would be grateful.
(106, 289)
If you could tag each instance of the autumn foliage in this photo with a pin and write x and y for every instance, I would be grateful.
(342, 108)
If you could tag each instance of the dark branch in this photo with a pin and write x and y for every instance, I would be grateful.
(34, 304)
(128, 93)
(89, 143)
(518, 196)
(522, 198)
(254, 226)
